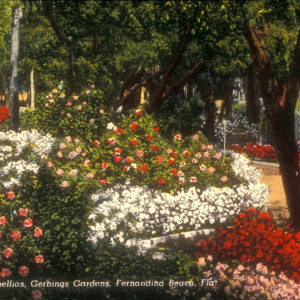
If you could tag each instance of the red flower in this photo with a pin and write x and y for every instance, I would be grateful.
(117, 151)
(119, 131)
(38, 232)
(143, 168)
(154, 148)
(10, 195)
(104, 165)
(186, 153)
(159, 159)
(171, 160)
(5, 273)
(27, 222)
(174, 171)
(149, 137)
(23, 211)
(161, 181)
(96, 143)
(156, 128)
(112, 141)
(134, 126)
(103, 181)
(36, 294)
(138, 112)
(8, 252)
(15, 235)
(118, 159)
(3, 220)
(129, 159)
(134, 142)
(23, 271)
(39, 259)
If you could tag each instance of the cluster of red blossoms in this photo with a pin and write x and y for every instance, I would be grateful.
(4, 114)
(254, 238)
(16, 236)
(257, 151)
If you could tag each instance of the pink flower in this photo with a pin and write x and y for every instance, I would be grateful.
(49, 164)
(89, 175)
(50, 96)
(211, 169)
(79, 107)
(38, 232)
(68, 115)
(39, 259)
(140, 153)
(23, 211)
(218, 155)
(69, 104)
(23, 271)
(224, 178)
(47, 105)
(51, 101)
(196, 137)
(202, 167)
(91, 121)
(72, 154)
(15, 235)
(210, 147)
(101, 111)
(62, 95)
(194, 161)
(92, 86)
(84, 103)
(54, 91)
(169, 151)
(59, 154)
(87, 92)
(159, 159)
(73, 172)
(203, 147)
(86, 163)
(60, 172)
(10, 195)
(68, 138)
(62, 146)
(27, 223)
(78, 149)
(77, 141)
(206, 154)
(64, 184)
(8, 252)
(198, 155)
(75, 98)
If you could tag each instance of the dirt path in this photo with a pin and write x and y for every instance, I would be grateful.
(277, 203)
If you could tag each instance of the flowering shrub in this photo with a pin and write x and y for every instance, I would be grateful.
(254, 238)
(257, 151)
(21, 152)
(4, 114)
(130, 211)
(79, 115)
(20, 238)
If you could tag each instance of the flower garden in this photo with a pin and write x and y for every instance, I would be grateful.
(78, 183)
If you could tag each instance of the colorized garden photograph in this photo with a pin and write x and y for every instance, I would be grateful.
(150, 149)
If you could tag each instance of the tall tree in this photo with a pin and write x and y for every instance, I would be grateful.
(15, 119)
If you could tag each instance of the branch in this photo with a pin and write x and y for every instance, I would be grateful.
(47, 6)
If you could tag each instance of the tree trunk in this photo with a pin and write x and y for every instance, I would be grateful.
(251, 94)
(280, 102)
(226, 106)
(209, 111)
(14, 108)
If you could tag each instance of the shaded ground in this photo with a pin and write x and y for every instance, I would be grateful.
(277, 203)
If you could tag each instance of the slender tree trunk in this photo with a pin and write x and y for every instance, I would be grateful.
(226, 106)
(32, 91)
(280, 102)
(209, 111)
(251, 93)
(14, 108)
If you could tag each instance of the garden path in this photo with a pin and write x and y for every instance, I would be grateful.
(277, 202)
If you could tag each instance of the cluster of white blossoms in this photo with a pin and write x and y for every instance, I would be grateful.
(127, 212)
(15, 147)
